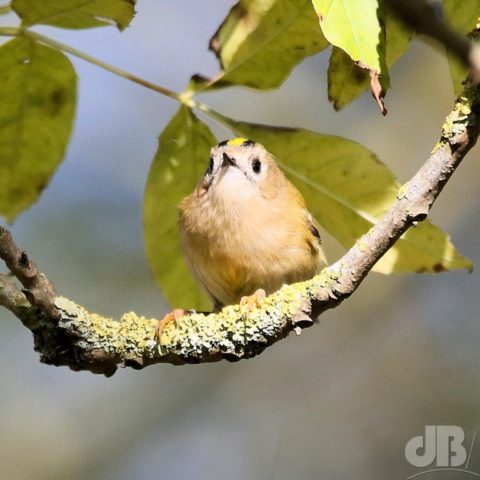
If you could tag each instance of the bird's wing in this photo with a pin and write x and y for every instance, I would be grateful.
(313, 226)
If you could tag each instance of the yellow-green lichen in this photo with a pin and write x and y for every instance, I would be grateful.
(462, 115)
(402, 191)
(135, 335)
(326, 279)
(437, 147)
(362, 246)
(129, 337)
(236, 330)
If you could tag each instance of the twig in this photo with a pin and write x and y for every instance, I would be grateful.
(184, 98)
(9, 293)
(38, 289)
(421, 17)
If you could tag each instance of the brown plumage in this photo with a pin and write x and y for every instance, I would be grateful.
(246, 227)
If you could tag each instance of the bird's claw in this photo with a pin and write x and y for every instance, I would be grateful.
(172, 316)
(250, 302)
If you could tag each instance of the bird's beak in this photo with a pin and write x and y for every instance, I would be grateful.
(228, 161)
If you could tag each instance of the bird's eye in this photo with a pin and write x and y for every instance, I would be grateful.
(256, 165)
(210, 167)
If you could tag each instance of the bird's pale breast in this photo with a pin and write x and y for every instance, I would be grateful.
(237, 247)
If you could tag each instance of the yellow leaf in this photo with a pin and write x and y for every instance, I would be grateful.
(346, 80)
(261, 41)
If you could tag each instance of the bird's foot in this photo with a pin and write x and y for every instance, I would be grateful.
(248, 303)
(172, 316)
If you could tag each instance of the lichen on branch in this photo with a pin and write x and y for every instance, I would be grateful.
(99, 343)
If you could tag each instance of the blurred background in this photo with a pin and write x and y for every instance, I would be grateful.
(339, 401)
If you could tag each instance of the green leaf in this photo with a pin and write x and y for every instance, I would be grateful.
(347, 81)
(261, 41)
(75, 13)
(37, 95)
(462, 16)
(354, 26)
(348, 189)
(179, 164)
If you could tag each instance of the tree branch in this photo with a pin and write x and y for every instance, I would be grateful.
(38, 288)
(67, 334)
(421, 17)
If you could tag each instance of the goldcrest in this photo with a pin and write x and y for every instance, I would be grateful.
(245, 229)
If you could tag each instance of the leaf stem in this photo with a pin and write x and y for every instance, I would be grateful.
(10, 31)
(184, 98)
(209, 112)
(102, 64)
(4, 9)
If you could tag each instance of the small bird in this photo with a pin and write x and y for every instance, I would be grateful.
(245, 230)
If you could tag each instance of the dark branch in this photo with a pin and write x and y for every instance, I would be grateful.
(421, 17)
(37, 287)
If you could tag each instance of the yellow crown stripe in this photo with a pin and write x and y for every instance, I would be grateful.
(236, 142)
